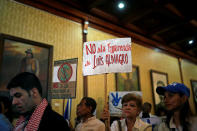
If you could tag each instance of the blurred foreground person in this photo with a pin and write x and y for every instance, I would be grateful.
(5, 106)
(179, 117)
(85, 110)
(131, 108)
(35, 112)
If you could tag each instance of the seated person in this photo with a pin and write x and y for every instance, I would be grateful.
(85, 110)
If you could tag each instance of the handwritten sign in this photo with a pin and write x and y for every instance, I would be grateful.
(108, 56)
(115, 99)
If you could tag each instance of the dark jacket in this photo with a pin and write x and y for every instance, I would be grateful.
(52, 121)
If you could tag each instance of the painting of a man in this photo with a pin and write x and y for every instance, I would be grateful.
(20, 55)
(29, 63)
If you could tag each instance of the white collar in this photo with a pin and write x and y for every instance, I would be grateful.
(172, 125)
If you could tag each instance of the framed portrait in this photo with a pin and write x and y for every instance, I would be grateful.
(158, 79)
(21, 55)
(128, 81)
(194, 90)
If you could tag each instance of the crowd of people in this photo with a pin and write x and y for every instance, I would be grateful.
(35, 113)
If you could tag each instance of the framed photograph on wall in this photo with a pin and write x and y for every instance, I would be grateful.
(158, 79)
(128, 81)
(194, 90)
(21, 55)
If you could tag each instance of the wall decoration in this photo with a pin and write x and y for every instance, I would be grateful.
(194, 90)
(21, 55)
(128, 81)
(158, 79)
(64, 79)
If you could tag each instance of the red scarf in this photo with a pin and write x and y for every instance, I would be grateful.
(34, 120)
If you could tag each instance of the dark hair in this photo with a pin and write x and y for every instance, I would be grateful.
(147, 106)
(185, 114)
(5, 103)
(90, 102)
(134, 97)
(26, 81)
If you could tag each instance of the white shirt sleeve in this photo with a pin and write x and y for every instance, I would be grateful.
(114, 126)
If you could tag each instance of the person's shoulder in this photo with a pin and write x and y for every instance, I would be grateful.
(116, 121)
(51, 112)
(143, 125)
(153, 115)
(161, 127)
(50, 115)
(52, 120)
(100, 124)
(141, 122)
(98, 121)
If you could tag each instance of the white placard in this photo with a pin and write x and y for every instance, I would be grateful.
(115, 99)
(108, 56)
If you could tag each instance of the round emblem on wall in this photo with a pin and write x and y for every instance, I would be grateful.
(65, 72)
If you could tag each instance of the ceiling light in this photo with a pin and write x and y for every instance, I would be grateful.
(121, 5)
(191, 41)
(86, 22)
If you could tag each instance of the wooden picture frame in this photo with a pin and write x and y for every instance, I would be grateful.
(194, 91)
(128, 81)
(20, 55)
(158, 79)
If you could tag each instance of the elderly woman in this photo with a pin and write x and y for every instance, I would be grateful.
(131, 107)
(177, 105)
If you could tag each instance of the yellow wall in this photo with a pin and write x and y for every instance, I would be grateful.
(189, 73)
(66, 37)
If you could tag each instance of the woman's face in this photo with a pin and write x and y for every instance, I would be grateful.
(173, 101)
(130, 109)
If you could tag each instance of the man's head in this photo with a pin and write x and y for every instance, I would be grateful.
(146, 107)
(29, 53)
(26, 90)
(86, 107)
